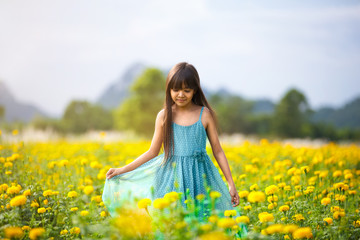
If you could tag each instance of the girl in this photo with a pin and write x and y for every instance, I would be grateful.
(182, 127)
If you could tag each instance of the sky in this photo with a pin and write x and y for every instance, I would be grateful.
(52, 52)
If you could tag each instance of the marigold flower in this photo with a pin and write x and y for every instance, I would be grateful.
(304, 232)
(215, 194)
(271, 189)
(84, 213)
(72, 194)
(325, 201)
(214, 236)
(213, 219)
(143, 203)
(41, 210)
(254, 187)
(298, 217)
(75, 230)
(103, 214)
(284, 208)
(88, 190)
(47, 193)
(242, 219)
(36, 232)
(243, 194)
(248, 207)
(27, 192)
(328, 220)
(256, 196)
(200, 197)
(337, 173)
(74, 209)
(226, 222)
(64, 232)
(290, 228)
(13, 232)
(274, 228)
(18, 201)
(172, 196)
(230, 213)
(266, 217)
(161, 203)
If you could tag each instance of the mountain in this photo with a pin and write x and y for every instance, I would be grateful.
(346, 116)
(15, 110)
(119, 90)
(263, 106)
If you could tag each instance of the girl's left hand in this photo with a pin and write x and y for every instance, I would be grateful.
(235, 199)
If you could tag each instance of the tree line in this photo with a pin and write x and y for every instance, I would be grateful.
(137, 113)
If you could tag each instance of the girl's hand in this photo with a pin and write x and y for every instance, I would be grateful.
(235, 199)
(113, 172)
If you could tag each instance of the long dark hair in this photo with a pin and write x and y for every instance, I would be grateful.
(181, 74)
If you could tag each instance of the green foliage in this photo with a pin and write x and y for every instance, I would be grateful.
(232, 112)
(81, 116)
(2, 112)
(290, 114)
(139, 111)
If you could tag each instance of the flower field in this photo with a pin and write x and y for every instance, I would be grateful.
(52, 190)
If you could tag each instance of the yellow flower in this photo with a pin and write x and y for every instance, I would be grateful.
(305, 169)
(266, 217)
(213, 219)
(161, 203)
(63, 232)
(298, 217)
(256, 196)
(200, 197)
(36, 232)
(230, 213)
(274, 228)
(328, 220)
(13, 232)
(171, 196)
(45, 201)
(180, 225)
(304, 232)
(271, 189)
(74, 209)
(25, 228)
(143, 203)
(75, 230)
(325, 201)
(213, 236)
(34, 204)
(226, 222)
(338, 214)
(15, 132)
(290, 228)
(243, 194)
(27, 192)
(88, 190)
(41, 210)
(205, 227)
(18, 201)
(103, 214)
(248, 207)
(254, 187)
(72, 194)
(272, 198)
(243, 219)
(84, 213)
(284, 208)
(215, 194)
(47, 193)
(337, 173)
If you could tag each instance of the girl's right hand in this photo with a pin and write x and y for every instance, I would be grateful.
(113, 172)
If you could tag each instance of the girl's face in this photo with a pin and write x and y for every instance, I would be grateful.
(183, 96)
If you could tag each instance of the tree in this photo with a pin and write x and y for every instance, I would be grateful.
(81, 116)
(138, 112)
(2, 112)
(291, 114)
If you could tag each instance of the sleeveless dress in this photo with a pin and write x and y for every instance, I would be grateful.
(186, 171)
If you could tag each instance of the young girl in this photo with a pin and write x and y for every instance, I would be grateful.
(182, 127)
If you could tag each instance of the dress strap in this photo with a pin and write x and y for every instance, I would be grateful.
(201, 113)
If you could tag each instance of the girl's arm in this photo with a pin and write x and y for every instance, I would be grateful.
(150, 154)
(219, 154)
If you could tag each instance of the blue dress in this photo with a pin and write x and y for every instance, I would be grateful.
(188, 168)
